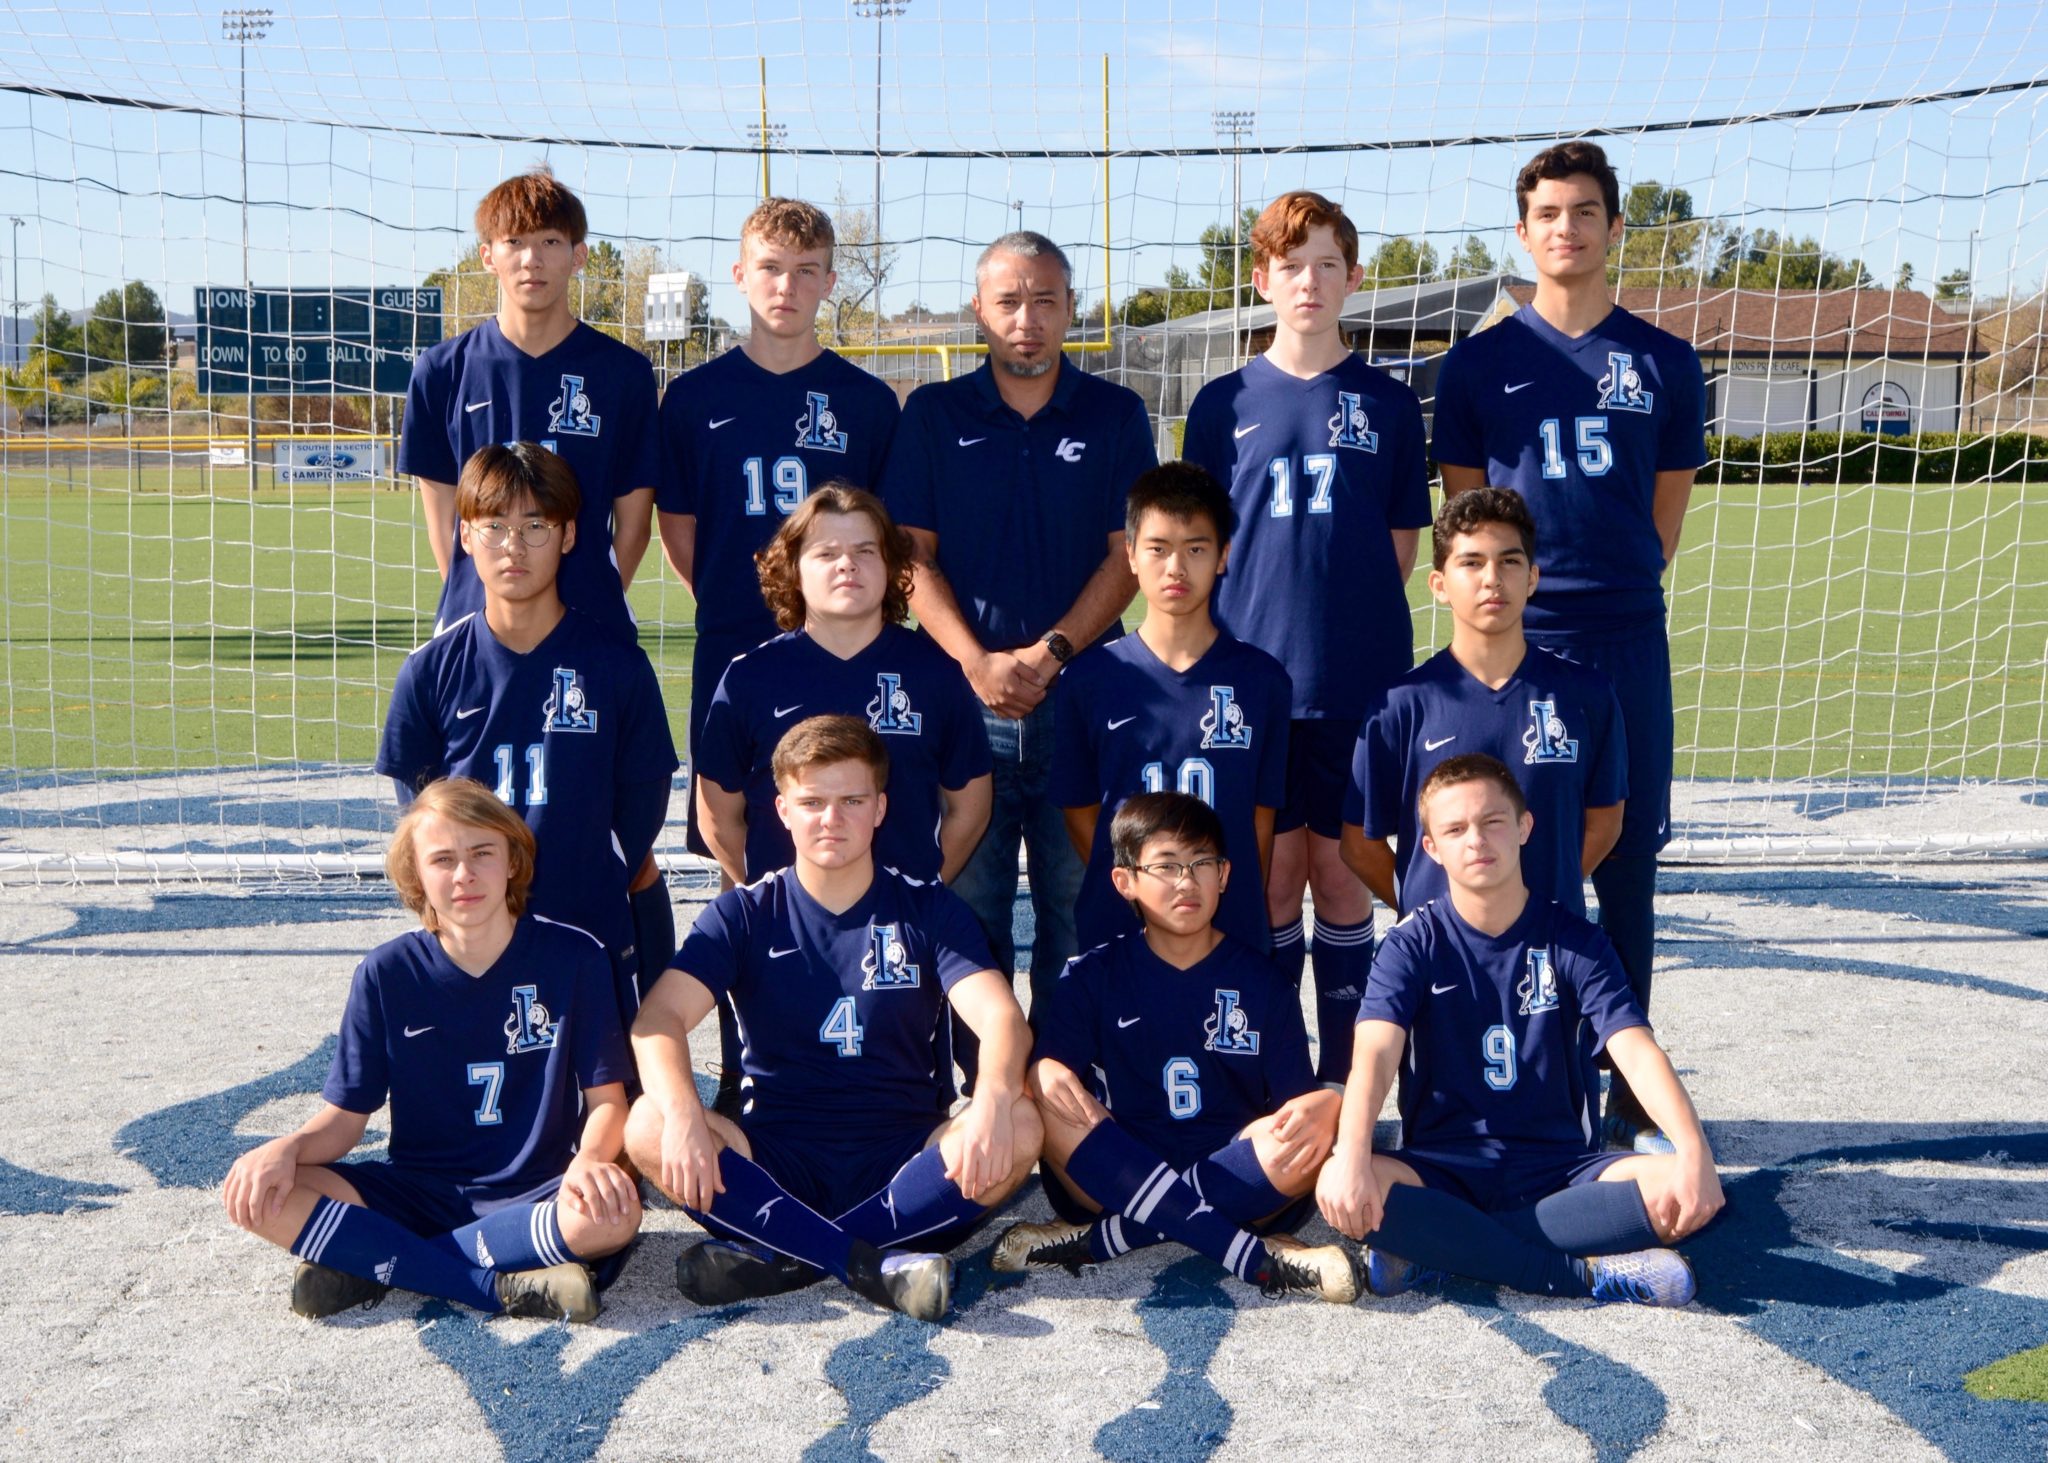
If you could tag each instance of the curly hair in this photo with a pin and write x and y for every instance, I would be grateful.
(792, 223)
(776, 563)
(1285, 225)
(1464, 512)
(1565, 160)
(468, 803)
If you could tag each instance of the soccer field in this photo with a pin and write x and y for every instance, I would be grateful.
(1816, 630)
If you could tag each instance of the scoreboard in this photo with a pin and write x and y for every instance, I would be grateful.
(313, 342)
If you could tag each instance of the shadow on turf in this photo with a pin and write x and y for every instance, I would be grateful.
(1904, 1336)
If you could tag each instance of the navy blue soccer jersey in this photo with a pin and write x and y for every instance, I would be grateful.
(1128, 723)
(1503, 1031)
(1580, 428)
(839, 1013)
(1557, 725)
(741, 446)
(1321, 472)
(910, 691)
(485, 1074)
(1183, 1058)
(1022, 509)
(590, 400)
(572, 735)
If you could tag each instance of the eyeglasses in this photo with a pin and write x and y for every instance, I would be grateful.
(1172, 872)
(534, 533)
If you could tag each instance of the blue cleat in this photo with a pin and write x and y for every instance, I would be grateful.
(1388, 1275)
(1642, 1278)
(1619, 1132)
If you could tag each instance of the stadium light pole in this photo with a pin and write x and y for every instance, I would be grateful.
(879, 11)
(17, 355)
(1234, 124)
(767, 136)
(242, 26)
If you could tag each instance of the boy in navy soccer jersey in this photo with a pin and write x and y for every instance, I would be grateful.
(494, 1035)
(1598, 419)
(1323, 455)
(838, 574)
(534, 373)
(1178, 706)
(841, 972)
(1554, 722)
(1501, 1001)
(745, 437)
(539, 702)
(1173, 1080)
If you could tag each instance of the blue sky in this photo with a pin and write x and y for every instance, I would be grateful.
(112, 193)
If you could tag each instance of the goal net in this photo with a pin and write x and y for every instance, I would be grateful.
(228, 231)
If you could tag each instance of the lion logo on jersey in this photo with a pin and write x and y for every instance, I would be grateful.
(565, 710)
(818, 427)
(1621, 389)
(529, 1028)
(570, 412)
(1547, 740)
(1229, 1029)
(1349, 428)
(889, 711)
(887, 964)
(1538, 986)
(1223, 724)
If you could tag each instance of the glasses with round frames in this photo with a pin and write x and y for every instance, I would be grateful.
(534, 533)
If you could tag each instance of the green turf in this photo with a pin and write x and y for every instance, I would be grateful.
(1905, 635)
(2021, 1377)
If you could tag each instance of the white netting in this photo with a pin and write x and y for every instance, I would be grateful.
(1841, 205)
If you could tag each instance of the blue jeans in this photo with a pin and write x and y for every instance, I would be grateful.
(1023, 813)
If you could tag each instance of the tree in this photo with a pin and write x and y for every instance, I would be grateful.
(1470, 260)
(57, 335)
(1145, 307)
(27, 386)
(1766, 260)
(1905, 279)
(1400, 261)
(469, 293)
(1953, 288)
(126, 328)
(864, 265)
(613, 292)
(1663, 245)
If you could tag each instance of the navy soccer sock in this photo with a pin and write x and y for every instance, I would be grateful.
(517, 1237)
(363, 1243)
(729, 1058)
(1342, 959)
(1588, 1219)
(1120, 1173)
(1440, 1231)
(654, 932)
(1230, 1178)
(1290, 949)
(918, 1201)
(755, 1206)
(1627, 891)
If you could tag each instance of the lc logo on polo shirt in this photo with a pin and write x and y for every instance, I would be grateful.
(1069, 450)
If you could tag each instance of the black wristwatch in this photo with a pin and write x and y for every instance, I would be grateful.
(1062, 648)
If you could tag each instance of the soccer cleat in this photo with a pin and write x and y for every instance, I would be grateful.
(1619, 1132)
(920, 1286)
(1329, 1272)
(558, 1293)
(318, 1291)
(716, 1272)
(1642, 1278)
(1388, 1275)
(1057, 1243)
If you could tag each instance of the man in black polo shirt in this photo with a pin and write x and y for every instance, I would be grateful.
(1012, 482)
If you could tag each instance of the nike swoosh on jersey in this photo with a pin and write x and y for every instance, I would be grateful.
(467, 714)
(775, 954)
(1121, 1023)
(782, 711)
(417, 1030)
(1125, 722)
(1439, 742)
(1437, 990)
(1511, 390)
(1243, 432)
(478, 405)
(726, 423)
(970, 441)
